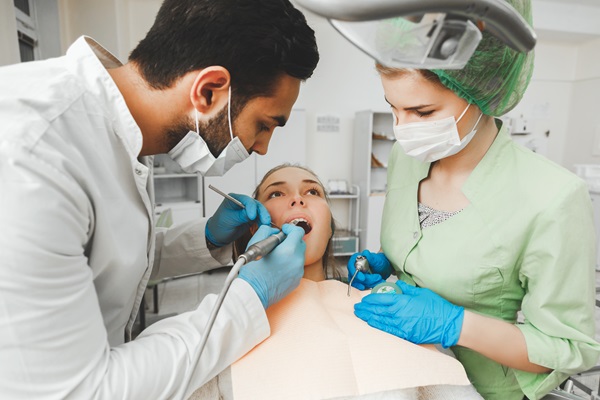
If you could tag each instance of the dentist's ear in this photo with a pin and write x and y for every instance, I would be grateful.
(210, 90)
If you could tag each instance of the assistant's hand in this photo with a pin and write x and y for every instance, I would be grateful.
(230, 221)
(379, 264)
(279, 272)
(417, 315)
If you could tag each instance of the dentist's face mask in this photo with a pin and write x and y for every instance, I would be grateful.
(193, 155)
(430, 141)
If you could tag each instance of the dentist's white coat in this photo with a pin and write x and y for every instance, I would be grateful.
(77, 247)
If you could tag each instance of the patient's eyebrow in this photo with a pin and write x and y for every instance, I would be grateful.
(278, 183)
(310, 181)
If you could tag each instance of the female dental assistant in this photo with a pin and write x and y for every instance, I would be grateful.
(483, 228)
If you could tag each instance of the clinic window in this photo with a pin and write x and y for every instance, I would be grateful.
(26, 30)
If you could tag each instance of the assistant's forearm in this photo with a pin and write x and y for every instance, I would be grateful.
(498, 340)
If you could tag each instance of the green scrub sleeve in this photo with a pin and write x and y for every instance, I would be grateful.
(558, 275)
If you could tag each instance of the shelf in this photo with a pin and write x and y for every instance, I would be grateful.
(385, 138)
(179, 189)
(344, 245)
(341, 234)
(343, 196)
(177, 201)
(175, 175)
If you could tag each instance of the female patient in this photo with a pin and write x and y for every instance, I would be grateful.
(295, 193)
(291, 192)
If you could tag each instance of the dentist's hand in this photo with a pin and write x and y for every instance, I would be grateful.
(379, 265)
(278, 273)
(230, 221)
(417, 315)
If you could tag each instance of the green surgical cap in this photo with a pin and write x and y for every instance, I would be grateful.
(496, 76)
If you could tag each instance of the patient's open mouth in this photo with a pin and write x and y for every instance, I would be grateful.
(302, 223)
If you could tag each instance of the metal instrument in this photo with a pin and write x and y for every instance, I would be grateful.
(228, 197)
(361, 264)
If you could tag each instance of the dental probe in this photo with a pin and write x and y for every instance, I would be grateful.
(239, 204)
(228, 197)
(361, 265)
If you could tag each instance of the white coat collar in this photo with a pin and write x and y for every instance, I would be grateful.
(90, 60)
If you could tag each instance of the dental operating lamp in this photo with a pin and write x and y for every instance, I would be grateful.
(428, 34)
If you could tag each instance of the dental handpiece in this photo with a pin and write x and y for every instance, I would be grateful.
(361, 264)
(265, 246)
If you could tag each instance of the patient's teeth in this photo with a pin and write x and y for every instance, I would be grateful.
(302, 223)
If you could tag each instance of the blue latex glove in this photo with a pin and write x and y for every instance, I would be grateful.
(278, 273)
(230, 221)
(379, 265)
(417, 315)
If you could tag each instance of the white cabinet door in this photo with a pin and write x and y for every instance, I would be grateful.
(372, 240)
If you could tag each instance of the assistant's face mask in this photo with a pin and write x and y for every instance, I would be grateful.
(430, 141)
(192, 153)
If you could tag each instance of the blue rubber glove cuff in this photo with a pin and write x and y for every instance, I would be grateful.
(210, 238)
(279, 272)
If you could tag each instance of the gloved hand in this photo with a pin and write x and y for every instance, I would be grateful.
(278, 273)
(379, 264)
(417, 315)
(230, 221)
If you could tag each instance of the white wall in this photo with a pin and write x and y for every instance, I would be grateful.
(583, 140)
(548, 98)
(117, 24)
(9, 45)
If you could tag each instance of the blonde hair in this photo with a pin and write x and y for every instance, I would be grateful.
(391, 72)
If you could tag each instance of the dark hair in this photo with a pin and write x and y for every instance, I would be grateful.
(255, 40)
(239, 246)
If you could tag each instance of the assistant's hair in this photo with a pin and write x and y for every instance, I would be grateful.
(255, 40)
(239, 246)
(393, 72)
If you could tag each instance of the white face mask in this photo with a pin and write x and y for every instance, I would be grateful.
(192, 153)
(430, 141)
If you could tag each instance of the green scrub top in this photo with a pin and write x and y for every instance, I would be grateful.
(525, 242)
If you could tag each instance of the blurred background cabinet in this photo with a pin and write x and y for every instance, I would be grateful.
(373, 142)
(346, 238)
(179, 192)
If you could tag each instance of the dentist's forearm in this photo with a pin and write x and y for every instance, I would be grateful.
(498, 340)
